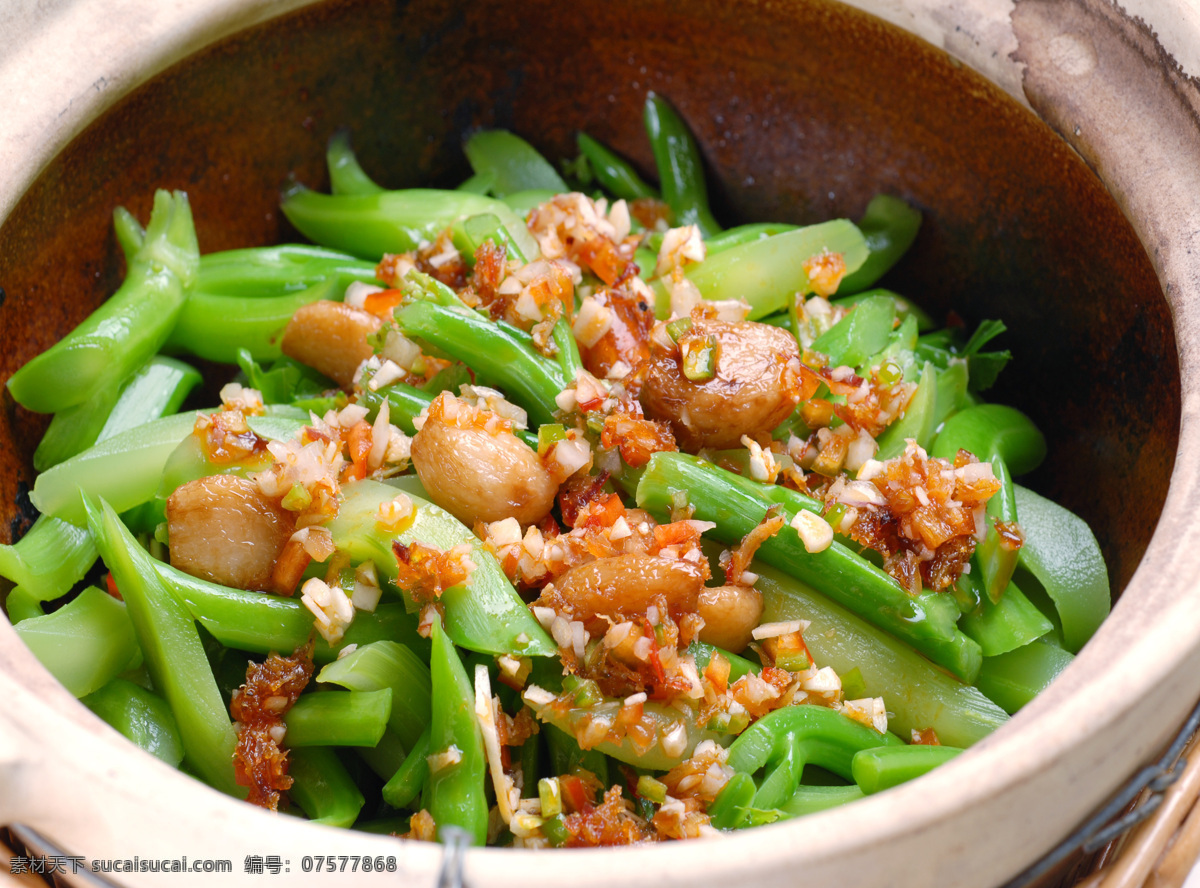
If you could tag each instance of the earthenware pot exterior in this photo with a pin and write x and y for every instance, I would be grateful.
(1051, 144)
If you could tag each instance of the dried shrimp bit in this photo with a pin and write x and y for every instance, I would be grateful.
(538, 292)
(758, 693)
(608, 824)
(651, 213)
(425, 572)
(613, 329)
(747, 385)
(226, 530)
(313, 543)
(736, 562)
(635, 437)
(690, 787)
(825, 271)
(492, 266)
(575, 496)
(871, 405)
(924, 515)
(330, 337)
(391, 269)
(258, 708)
(576, 228)
(441, 260)
(225, 437)
(702, 776)
(475, 467)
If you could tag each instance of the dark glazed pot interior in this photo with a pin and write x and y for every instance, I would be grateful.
(804, 111)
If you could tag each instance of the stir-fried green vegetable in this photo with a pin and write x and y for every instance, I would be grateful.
(619, 526)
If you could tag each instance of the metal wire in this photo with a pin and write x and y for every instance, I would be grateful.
(456, 841)
(1112, 820)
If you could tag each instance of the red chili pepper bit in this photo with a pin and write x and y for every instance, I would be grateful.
(112, 587)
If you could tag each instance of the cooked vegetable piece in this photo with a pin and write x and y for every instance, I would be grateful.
(126, 331)
(483, 614)
(513, 164)
(878, 769)
(680, 169)
(154, 391)
(457, 765)
(141, 716)
(323, 787)
(617, 176)
(917, 694)
(738, 505)
(890, 226)
(356, 718)
(1061, 551)
(386, 664)
(370, 225)
(84, 644)
(52, 557)
(767, 273)
(345, 174)
(172, 649)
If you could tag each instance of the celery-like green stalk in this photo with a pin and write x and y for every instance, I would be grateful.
(356, 718)
(51, 558)
(916, 693)
(386, 664)
(173, 651)
(84, 644)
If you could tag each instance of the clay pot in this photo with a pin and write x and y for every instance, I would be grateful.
(1060, 195)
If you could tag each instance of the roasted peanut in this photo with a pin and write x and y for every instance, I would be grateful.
(224, 529)
(754, 388)
(623, 586)
(730, 614)
(480, 475)
(330, 337)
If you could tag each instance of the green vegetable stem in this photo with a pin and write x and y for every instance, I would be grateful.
(485, 614)
(454, 793)
(680, 169)
(616, 175)
(345, 174)
(173, 652)
(369, 225)
(890, 226)
(737, 505)
(784, 741)
(1010, 441)
(126, 331)
(356, 718)
(513, 164)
